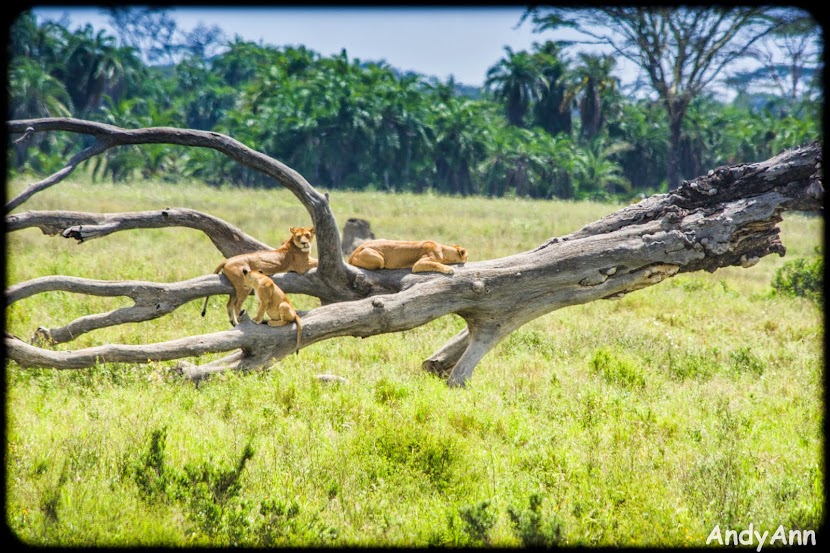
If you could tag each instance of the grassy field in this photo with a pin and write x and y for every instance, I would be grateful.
(644, 421)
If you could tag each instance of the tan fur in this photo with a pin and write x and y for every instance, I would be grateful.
(292, 256)
(422, 256)
(272, 302)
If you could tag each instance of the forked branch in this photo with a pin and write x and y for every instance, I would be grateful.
(332, 268)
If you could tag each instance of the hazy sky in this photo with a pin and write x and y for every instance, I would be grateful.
(463, 42)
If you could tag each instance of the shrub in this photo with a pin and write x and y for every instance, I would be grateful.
(743, 360)
(477, 522)
(532, 529)
(617, 369)
(801, 278)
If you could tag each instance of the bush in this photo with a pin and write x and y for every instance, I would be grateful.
(802, 278)
(477, 522)
(532, 529)
(617, 369)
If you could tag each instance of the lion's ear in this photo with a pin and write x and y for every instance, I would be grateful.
(244, 271)
(312, 230)
(292, 230)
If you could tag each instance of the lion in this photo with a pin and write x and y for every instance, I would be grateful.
(272, 302)
(292, 256)
(421, 256)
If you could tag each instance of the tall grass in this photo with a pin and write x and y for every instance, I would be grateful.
(644, 421)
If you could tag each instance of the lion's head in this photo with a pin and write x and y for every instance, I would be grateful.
(302, 237)
(459, 256)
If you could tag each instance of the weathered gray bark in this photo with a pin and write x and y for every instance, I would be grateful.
(727, 217)
(355, 232)
(81, 226)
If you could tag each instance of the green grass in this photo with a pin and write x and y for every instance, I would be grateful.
(644, 421)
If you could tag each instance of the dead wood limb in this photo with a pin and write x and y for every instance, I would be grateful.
(83, 226)
(77, 159)
(151, 300)
(31, 356)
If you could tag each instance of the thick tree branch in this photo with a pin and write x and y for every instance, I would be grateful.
(151, 300)
(81, 226)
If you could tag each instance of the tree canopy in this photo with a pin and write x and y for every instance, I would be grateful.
(681, 50)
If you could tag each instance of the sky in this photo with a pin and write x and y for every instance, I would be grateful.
(462, 42)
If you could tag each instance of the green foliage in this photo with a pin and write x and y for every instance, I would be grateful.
(210, 494)
(477, 521)
(150, 473)
(433, 457)
(617, 368)
(544, 126)
(743, 360)
(532, 529)
(691, 365)
(803, 277)
(282, 524)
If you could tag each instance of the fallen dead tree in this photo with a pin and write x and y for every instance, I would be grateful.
(727, 217)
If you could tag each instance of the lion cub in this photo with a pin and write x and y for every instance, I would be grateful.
(423, 256)
(291, 256)
(272, 302)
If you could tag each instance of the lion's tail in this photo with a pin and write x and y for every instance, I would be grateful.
(299, 333)
(215, 272)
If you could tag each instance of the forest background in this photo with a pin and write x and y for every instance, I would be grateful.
(551, 122)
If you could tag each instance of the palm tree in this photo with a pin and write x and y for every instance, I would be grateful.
(346, 118)
(462, 133)
(42, 43)
(93, 66)
(35, 93)
(515, 80)
(645, 126)
(515, 163)
(596, 174)
(120, 164)
(549, 112)
(589, 84)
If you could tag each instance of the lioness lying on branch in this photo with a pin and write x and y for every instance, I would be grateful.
(423, 256)
(291, 256)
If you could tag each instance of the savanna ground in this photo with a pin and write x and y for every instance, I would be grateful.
(643, 421)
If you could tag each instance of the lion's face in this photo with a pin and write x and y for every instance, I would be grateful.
(302, 237)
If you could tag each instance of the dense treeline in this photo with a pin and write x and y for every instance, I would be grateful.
(545, 125)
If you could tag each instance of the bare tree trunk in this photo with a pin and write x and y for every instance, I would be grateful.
(673, 170)
(727, 217)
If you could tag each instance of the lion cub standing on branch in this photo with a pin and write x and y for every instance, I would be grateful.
(423, 256)
(291, 256)
(272, 302)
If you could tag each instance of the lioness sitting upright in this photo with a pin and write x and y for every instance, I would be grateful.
(422, 256)
(272, 302)
(292, 256)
